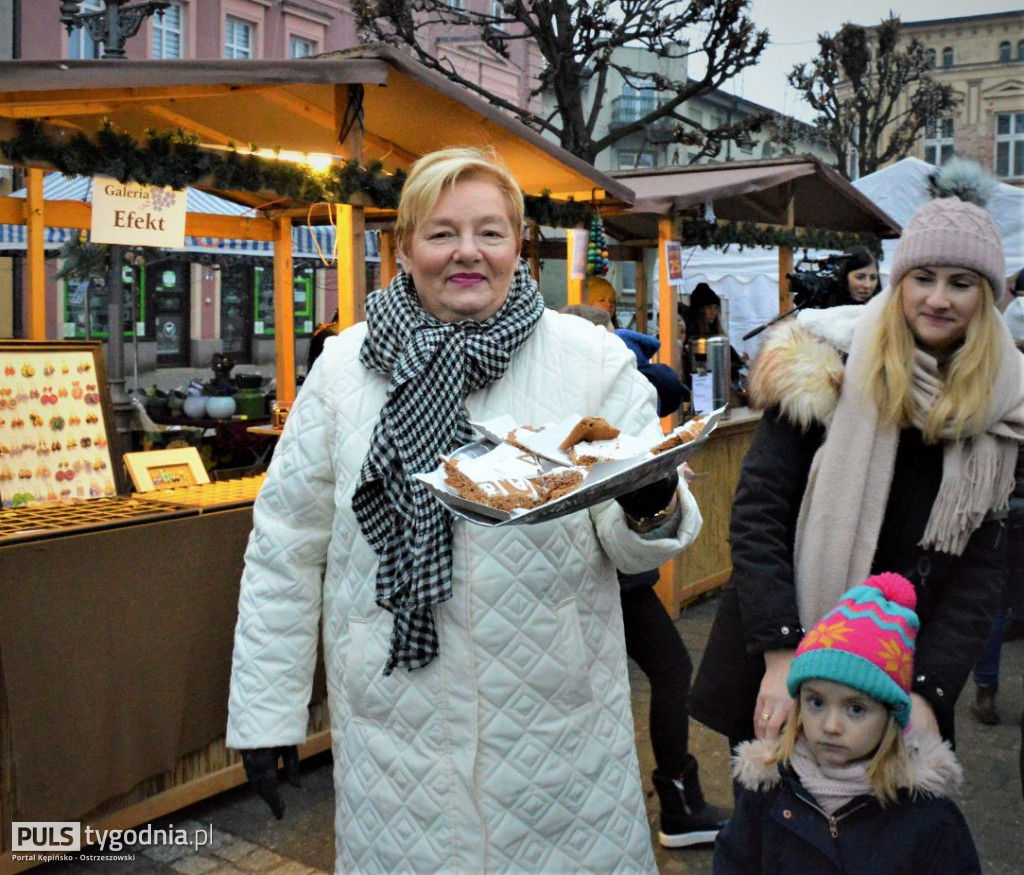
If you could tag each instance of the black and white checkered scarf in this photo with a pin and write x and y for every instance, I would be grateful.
(433, 366)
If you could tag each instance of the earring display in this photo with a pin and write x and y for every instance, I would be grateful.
(58, 439)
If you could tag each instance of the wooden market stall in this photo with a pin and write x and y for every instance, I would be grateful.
(116, 624)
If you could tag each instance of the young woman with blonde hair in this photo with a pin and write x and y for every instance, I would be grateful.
(889, 440)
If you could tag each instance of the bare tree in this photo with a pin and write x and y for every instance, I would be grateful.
(873, 94)
(577, 40)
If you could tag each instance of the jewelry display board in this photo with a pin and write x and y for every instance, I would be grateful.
(57, 436)
(158, 470)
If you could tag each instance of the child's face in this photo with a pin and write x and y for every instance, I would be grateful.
(841, 724)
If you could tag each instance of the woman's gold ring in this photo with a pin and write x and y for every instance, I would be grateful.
(765, 716)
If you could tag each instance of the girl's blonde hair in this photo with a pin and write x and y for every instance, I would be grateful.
(435, 171)
(888, 770)
(968, 375)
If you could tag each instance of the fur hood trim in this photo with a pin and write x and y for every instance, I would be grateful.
(801, 363)
(935, 770)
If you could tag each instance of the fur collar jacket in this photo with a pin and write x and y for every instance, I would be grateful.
(935, 771)
(801, 365)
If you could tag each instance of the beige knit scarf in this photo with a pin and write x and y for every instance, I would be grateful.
(848, 486)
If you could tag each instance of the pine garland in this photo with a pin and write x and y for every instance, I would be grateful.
(175, 159)
(715, 235)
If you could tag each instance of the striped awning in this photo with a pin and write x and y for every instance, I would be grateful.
(308, 241)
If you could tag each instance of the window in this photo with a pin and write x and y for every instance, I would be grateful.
(634, 160)
(1010, 145)
(947, 57)
(167, 42)
(938, 141)
(1020, 50)
(767, 150)
(300, 47)
(929, 57)
(80, 44)
(457, 4)
(1004, 50)
(237, 38)
(498, 11)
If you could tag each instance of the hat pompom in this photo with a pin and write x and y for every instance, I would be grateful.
(895, 588)
(964, 179)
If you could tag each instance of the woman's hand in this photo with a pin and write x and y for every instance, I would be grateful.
(922, 715)
(773, 702)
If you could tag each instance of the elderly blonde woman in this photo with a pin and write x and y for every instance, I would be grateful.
(477, 680)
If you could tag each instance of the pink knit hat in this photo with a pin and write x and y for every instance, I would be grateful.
(865, 642)
(954, 229)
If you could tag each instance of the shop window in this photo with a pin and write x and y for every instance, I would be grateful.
(300, 47)
(1010, 145)
(238, 38)
(938, 141)
(303, 299)
(85, 307)
(80, 44)
(947, 56)
(167, 32)
(1004, 50)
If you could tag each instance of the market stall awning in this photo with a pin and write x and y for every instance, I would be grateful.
(297, 105)
(795, 191)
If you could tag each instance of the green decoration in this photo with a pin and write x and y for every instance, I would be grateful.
(175, 159)
(718, 236)
(597, 248)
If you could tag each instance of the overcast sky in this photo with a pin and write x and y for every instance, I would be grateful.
(794, 25)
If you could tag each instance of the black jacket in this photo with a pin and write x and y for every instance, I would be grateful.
(778, 828)
(957, 595)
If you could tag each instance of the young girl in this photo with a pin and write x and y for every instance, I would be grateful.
(845, 789)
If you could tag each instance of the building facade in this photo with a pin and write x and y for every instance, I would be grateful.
(982, 58)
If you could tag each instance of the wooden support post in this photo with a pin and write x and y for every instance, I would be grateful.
(284, 310)
(535, 251)
(351, 265)
(388, 257)
(35, 322)
(667, 325)
(573, 287)
(786, 258)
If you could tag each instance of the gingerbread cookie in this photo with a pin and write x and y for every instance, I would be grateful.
(590, 428)
(682, 435)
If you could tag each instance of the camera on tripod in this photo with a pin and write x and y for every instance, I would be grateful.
(815, 281)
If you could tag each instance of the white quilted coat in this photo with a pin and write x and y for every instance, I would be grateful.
(513, 751)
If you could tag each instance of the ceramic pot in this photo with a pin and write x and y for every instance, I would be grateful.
(195, 406)
(220, 407)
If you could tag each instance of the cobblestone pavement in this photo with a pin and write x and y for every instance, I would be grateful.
(247, 839)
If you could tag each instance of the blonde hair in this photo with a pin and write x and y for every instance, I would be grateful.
(888, 770)
(962, 408)
(435, 171)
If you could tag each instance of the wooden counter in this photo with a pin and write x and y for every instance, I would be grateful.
(707, 563)
(115, 656)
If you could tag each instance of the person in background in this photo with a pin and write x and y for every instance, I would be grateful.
(319, 338)
(921, 390)
(857, 281)
(845, 790)
(480, 707)
(601, 294)
(653, 642)
(704, 318)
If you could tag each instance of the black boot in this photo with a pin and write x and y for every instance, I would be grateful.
(984, 706)
(686, 819)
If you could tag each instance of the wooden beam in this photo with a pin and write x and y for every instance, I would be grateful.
(667, 327)
(96, 96)
(388, 257)
(284, 311)
(324, 119)
(535, 251)
(351, 265)
(574, 287)
(35, 256)
(190, 125)
(786, 257)
(640, 302)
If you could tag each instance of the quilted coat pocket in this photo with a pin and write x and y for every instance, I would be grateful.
(575, 691)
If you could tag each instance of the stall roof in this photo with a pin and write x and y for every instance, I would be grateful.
(750, 191)
(407, 110)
